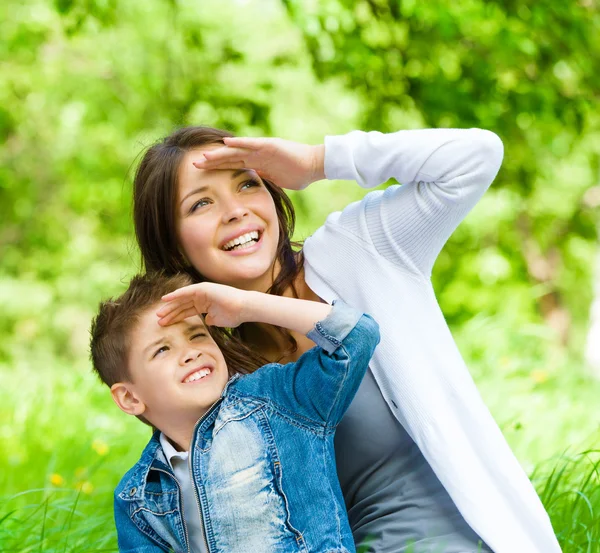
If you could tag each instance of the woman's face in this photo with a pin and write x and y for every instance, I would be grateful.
(227, 224)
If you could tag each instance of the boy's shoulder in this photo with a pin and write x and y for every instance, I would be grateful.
(253, 384)
(132, 483)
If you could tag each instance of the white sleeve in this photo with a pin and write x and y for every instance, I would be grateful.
(444, 173)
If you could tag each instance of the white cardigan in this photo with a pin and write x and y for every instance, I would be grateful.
(377, 255)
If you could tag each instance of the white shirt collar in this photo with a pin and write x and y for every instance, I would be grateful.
(170, 451)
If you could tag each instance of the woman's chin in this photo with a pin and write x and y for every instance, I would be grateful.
(247, 276)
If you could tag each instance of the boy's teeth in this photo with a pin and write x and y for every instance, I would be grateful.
(197, 375)
(241, 241)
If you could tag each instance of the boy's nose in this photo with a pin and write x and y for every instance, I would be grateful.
(191, 355)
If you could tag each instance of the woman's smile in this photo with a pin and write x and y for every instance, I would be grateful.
(242, 239)
(246, 244)
(227, 224)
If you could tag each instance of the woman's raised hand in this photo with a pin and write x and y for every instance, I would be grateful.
(287, 164)
(223, 305)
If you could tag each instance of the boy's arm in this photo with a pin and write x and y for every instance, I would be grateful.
(322, 383)
(290, 313)
(229, 307)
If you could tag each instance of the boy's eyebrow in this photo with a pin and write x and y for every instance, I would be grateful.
(200, 189)
(194, 327)
(191, 328)
(154, 344)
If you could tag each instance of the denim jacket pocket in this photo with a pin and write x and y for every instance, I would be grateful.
(159, 517)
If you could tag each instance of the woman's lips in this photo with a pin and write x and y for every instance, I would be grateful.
(248, 249)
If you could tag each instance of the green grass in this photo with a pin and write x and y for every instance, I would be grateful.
(65, 445)
(570, 491)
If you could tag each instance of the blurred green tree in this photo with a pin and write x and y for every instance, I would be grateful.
(523, 69)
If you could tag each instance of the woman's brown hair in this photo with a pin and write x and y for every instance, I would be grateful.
(155, 189)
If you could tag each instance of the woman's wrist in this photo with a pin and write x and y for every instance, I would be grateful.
(318, 172)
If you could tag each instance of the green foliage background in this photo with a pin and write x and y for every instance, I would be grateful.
(85, 85)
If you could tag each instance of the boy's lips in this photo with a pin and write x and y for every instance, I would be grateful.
(198, 374)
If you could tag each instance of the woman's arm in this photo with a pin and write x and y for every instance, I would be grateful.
(444, 172)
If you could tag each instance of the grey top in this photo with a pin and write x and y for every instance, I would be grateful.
(395, 502)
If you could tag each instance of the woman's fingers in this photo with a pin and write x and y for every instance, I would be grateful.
(226, 164)
(245, 142)
(225, 153)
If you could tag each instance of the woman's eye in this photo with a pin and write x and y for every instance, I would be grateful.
(199, 203)
(200, 335)
(160, 350)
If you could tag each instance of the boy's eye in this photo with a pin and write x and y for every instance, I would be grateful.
(249, 184)
(160, 350)
(199, 335)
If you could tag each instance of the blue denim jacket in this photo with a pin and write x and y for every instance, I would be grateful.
(262, 457)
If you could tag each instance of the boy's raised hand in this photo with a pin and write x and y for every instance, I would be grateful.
(223, 305)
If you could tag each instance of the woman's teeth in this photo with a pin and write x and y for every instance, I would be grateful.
(197, 375)
(242, 242)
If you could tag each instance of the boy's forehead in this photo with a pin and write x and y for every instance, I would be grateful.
(148, 323)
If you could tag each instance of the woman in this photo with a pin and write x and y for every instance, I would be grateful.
(421, 462)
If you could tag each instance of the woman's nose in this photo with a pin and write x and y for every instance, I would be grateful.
(234, 211)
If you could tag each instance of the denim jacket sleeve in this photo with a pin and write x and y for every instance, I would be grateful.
(130, 538)
(323, 382)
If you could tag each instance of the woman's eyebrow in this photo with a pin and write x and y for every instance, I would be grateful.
(195, 191)
(239, 172)
(204, 188)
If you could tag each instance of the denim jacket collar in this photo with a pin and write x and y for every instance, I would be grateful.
(153, 457)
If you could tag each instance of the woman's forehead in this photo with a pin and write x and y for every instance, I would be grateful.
(192, 177)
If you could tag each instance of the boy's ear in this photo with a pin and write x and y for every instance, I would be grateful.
(123, 394)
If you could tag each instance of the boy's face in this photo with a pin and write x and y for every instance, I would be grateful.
(176, 372)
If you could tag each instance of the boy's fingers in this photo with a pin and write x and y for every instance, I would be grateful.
(177, 317)
(174, 307)
(185, 293)
(180, 293)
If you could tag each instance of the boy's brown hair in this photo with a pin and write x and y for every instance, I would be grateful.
(111, 328)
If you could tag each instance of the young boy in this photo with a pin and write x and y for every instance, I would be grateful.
(238, 463)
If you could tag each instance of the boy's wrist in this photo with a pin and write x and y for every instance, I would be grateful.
(251, 310)
(333, 329)
(293, 314)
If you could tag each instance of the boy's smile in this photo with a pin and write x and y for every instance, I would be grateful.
(175, 374)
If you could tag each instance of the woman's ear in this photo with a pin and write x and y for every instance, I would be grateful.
(124, 395)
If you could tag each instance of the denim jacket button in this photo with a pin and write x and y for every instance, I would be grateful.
(132, 491)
